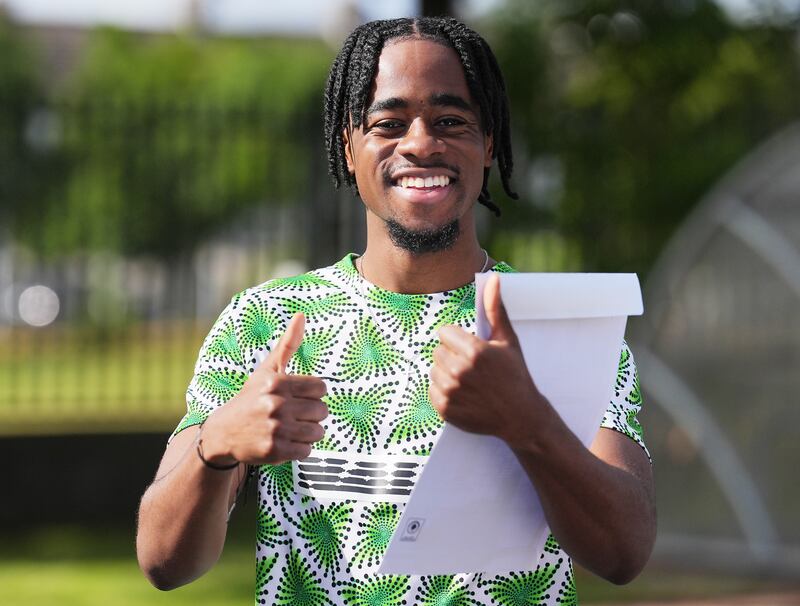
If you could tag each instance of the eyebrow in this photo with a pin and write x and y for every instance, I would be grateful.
(436, 99)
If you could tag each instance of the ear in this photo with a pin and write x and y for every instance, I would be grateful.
(488, 150)
(348, 151)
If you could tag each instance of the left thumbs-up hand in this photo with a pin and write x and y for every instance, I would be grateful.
(484, 386)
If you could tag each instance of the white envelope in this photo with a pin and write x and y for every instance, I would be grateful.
(474, 509)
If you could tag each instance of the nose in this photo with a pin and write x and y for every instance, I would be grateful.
(420, 141)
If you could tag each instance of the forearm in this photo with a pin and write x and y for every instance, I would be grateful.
(602, 514)
(183, 516)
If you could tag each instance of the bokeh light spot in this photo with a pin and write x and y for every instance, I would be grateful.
(38, 305)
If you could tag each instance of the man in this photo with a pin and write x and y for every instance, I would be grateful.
(352, 369)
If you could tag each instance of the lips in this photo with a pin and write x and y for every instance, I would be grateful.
(423, 185)
(423, 195)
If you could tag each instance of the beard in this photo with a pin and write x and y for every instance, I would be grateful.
(419, 241)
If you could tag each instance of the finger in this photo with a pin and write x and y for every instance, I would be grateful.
(447, 359)
(288, 344)
(289, 451)
(496, 312)
(308, 410)
(300, 451)
(305, 432)
(305, 386)
(442, 379)
(458, 340)
(438, 399)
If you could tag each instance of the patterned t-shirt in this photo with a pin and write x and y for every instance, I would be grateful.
(325, 522)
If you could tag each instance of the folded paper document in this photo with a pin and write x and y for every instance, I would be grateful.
(473, 508)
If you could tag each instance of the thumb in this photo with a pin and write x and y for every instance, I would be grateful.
(496, 312)
(288, 344)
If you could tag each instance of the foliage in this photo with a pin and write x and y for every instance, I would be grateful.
(625, 113)
(161, 138)
(18, 90)
(636, 108)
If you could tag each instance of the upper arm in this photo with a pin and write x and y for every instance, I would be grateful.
(620, 451)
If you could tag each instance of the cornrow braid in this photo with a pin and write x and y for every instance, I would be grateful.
(353, 70)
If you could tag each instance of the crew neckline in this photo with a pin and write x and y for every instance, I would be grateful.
(348, 265)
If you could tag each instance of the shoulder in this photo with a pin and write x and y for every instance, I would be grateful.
(503, 268)
(317, 281)
(316, 294)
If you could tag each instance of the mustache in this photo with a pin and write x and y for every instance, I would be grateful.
(391, 170)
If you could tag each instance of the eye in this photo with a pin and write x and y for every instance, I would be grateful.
(388, 125)
(450, 121)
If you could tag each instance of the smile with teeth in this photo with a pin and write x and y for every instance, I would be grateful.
(426, 182)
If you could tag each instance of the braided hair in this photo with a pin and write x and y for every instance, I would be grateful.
(353, 71)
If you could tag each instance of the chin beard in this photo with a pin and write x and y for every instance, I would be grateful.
(419, 241)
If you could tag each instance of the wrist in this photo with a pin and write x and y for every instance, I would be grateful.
(210, 455)
(536, 427)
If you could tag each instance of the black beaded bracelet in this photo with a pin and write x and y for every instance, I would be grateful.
(207, 463)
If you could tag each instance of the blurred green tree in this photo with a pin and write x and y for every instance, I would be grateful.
(625, 114)
(19, 90)
(163, 138)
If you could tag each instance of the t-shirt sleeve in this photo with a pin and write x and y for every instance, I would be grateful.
(219, 373)
(626, 402)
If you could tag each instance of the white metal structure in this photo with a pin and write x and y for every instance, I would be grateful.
(719, 358)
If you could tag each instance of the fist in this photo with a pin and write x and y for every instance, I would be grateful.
(275, 417)
(484, 386)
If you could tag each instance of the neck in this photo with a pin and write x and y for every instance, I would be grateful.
(398, 270)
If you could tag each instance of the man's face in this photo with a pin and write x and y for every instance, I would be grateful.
(419, 156)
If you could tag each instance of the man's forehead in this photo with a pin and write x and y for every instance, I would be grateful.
(419, 69)
(411, 55)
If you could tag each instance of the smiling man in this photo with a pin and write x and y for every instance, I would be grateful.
(333, 386)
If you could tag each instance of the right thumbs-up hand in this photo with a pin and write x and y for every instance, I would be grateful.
(275, 417)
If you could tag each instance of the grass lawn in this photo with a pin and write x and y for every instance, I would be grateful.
(87, 567)
(84, 567)
(52, 381)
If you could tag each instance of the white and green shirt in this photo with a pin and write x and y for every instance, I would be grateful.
(325, 522)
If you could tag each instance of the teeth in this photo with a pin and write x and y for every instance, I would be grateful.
(427, 182)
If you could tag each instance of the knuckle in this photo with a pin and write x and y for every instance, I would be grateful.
(449, 388)
(272, 427)
(270, 383)
(265, 402)
(473, 353)
(268, 446)
(275, 382)
(272, 405)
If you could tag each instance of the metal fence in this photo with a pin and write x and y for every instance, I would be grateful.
(124, 230)
(125, 227)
